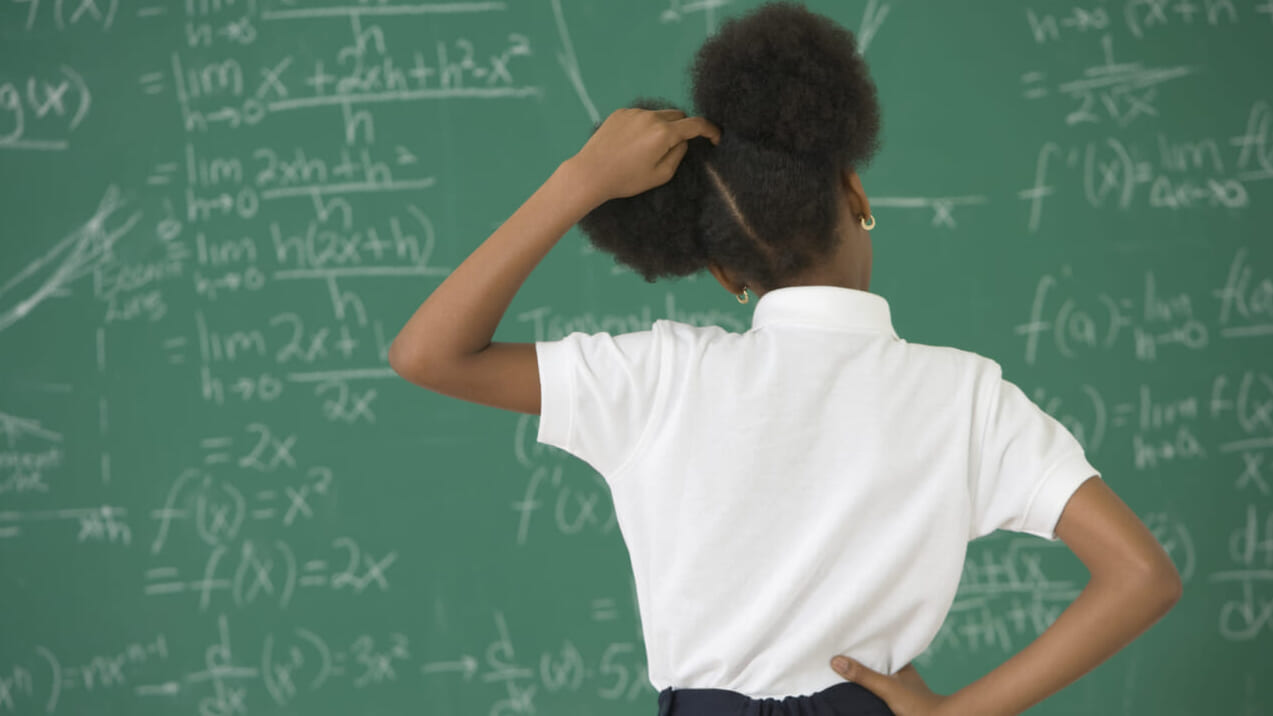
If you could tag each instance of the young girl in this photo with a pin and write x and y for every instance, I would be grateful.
(805, 489)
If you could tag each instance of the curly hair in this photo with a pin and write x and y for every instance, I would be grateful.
(796, 105)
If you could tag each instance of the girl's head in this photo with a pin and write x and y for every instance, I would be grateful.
(778, 201)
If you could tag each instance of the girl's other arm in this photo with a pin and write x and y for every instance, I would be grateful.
(446, 344)
(1133, 584)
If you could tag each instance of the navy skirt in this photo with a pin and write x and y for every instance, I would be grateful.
(846, 699)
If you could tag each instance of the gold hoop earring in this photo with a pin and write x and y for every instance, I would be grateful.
(868, 227)
(743, 297)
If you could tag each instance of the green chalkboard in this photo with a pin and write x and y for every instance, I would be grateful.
(217, 499)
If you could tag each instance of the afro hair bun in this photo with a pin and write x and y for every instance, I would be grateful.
(796, 105)
(790, 79)
(657, 232)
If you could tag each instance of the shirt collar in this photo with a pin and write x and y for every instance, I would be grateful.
(836, 307)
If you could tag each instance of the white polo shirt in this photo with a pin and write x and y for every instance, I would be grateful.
(804, 489)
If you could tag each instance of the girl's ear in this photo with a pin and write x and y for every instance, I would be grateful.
(852, 185)
(725, 278)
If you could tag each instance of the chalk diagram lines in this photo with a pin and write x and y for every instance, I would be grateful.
(76, 255)
(570, 63)
(678, 9)
(943, 207)
(73, 257)
(872, 18)
(13, 427)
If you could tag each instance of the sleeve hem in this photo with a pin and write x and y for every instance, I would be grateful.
(556, 395)
(1053, 492)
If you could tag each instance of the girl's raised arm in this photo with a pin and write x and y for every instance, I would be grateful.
(446, 344)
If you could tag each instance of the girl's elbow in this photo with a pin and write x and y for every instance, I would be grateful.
(1173, 586)
(408, 362)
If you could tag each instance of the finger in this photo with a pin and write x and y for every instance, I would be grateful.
(691, 127)
(672, 158)
(668, 114)
(853, 671)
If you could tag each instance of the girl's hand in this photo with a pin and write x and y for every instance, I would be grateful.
(905, 692)
(637, 149)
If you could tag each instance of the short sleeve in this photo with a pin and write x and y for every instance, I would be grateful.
(597, 394)
(1026, 464)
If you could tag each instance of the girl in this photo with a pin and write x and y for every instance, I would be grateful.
(805, 489)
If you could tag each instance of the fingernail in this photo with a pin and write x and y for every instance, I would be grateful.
(840, 664)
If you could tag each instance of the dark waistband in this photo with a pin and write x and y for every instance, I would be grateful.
(846, 699)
